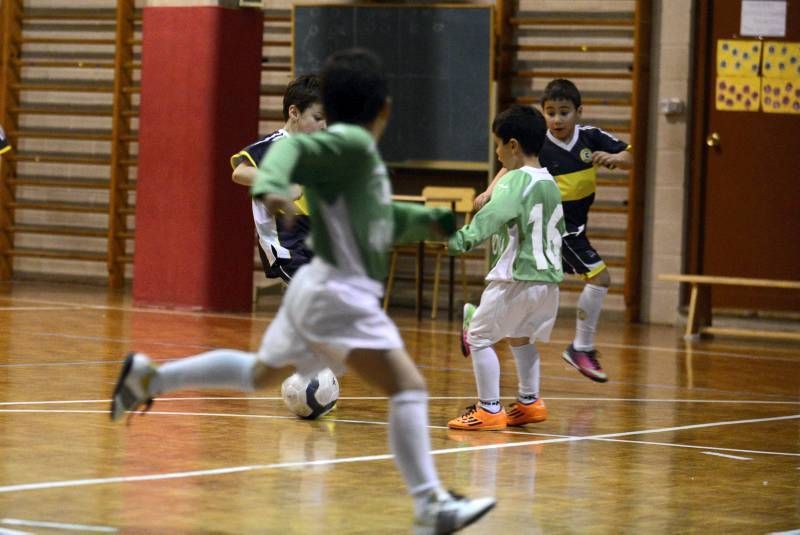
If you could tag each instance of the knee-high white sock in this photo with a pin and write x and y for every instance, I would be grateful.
(589, 305)
(527, 359)
(487, 377)
(222, 368)
(411, 444)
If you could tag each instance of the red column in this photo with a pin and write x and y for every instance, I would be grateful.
(201, 71)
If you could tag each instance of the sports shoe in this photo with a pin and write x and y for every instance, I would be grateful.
(132, 386)
(448, 512)
(478, 419)
(469, 311)
(519, 413)
(586, 363)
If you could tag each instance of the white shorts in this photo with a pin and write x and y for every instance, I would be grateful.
(514, 309)
(325, 315)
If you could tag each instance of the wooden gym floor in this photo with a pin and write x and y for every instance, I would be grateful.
(701, 438)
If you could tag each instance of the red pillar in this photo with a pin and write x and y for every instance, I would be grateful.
(201, 71)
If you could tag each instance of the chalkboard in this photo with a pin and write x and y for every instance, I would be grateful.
(438, 60)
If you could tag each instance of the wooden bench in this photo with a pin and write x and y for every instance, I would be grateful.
(699, 318)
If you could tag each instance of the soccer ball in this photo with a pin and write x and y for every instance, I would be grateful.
(311, 397)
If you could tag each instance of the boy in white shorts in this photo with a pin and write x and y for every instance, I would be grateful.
(331, 314)
(520, 302)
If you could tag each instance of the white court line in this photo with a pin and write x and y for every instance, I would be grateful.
(726, 456)
(367, 458)
(268, 317)
(21, 309)
(4, 531)
(57, 525)
(433, 398)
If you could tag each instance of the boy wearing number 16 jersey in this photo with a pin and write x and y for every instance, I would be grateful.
(520, 301)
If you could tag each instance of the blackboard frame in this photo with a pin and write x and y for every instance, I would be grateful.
(479, 159)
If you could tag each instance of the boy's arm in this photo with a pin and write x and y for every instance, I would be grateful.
(484, 197)
(414, 222)
(609, 151)
(501, 208)
(622, 160)
(245, 174)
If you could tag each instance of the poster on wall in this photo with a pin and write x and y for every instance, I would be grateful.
(781, 59)
(779, 95)
(763, 18)
(738, 93)
(738, 57)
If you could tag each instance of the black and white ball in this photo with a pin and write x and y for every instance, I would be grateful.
(311, 397)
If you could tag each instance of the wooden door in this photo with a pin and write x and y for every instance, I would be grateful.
(745, 212)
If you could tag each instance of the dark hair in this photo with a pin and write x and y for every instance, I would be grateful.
(302, 92)
(354, 86)
(523, 123)
(561, 89)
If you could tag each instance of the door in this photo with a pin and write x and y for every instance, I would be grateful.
(745, 214)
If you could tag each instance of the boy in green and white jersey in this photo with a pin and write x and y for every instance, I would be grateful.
(521, 300)
(331, 314)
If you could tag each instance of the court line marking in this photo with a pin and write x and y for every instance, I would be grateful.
(432, 398)
(736, 457)
(385, 423)
(57, 525)
(364, 458)
(252, 316)
(4, 531)
(38, 309)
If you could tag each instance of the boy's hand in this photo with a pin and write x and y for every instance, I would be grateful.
(605, 159)
(444, 225)
(280, 206)
(481, 199)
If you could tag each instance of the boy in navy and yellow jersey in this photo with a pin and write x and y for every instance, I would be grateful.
(4, 146)
(283, 250)
(571, 153)
(330, 315)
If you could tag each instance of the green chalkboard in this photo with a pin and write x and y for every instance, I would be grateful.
(439, 63)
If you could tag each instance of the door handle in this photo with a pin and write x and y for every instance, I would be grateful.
(713, 140)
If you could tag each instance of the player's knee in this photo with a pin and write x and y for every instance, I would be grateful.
(412, 381)
(601, 279)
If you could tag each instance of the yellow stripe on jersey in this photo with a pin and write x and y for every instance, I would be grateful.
(301, 204)
(5, 149)
(577, 185)
(238, 158)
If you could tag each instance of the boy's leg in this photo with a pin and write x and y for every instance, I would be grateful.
(393, 372)
(488, 414)
(581, 259)
(140, 380)
(528, 408)
(590, 303)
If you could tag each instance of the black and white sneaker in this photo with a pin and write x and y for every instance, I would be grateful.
(448, 512)
(132, 388)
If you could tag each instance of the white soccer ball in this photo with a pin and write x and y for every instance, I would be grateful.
(311, 397)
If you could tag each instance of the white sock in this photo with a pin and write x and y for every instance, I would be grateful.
(411, 444)
(487, 378)
(589, 305)
(527, 359)
(222, 368)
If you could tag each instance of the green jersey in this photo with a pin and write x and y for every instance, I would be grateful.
(525, 204)
(354, 222)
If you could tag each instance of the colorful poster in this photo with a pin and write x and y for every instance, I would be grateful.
(738, 57)
(738, 93)
(781, 59)
(781, 95)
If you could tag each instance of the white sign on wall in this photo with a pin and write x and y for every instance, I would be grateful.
(765, 18)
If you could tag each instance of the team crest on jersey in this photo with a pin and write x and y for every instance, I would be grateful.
(586, 155)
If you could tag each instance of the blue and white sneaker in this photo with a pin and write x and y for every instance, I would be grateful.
(448, 512)
(132, 388)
